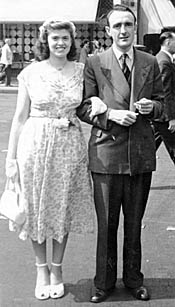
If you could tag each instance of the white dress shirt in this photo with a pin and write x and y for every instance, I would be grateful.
(129, 59)
(7, 55)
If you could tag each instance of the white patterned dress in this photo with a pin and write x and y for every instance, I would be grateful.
(54, 175)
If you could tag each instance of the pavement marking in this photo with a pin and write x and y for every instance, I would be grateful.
(162, 223)
(167, 187)
(170, 228)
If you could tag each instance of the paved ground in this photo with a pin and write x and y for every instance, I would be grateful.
(17, 271)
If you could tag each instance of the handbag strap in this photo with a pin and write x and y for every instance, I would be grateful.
(12, 185)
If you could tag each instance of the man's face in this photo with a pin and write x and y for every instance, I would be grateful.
(122, 29)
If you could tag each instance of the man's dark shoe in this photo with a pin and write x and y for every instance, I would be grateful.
(100, 295)
(140, 293)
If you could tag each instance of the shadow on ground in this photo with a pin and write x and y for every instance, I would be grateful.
(159, 288)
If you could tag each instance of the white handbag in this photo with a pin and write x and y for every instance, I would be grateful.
(10, 205)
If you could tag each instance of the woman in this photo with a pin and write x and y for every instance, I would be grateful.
(47, 146)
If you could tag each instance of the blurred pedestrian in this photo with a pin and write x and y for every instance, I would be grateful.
(98, 48)
(84, 52)
(2, 66)
(6, 60)
(47, 152)
(122, 157)
(165, 126)
(1, 45)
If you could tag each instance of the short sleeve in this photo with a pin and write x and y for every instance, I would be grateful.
(24, 75)
(21, 76)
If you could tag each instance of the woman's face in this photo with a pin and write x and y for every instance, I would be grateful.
(59, 42)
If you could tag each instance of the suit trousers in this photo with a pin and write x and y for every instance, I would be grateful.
(163, 134)
(8, 74)
(111, 192)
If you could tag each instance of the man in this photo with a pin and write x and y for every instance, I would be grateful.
(165, 126)
(6, 59)
(121, 148)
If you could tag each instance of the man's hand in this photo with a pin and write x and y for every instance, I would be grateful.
(144, 106)
(172, 125)
(123, 117)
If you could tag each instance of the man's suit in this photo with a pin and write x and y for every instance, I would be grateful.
(167, 69)
(121, 159)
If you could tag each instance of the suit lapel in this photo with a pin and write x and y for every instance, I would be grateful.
(116, 80)
(114, 76)
(140, 72)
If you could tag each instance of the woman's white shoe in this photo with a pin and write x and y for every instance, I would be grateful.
(57, 290)
(42, 292)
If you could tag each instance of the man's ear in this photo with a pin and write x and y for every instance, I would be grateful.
(167, 42)
(135, 27)
(107, 28)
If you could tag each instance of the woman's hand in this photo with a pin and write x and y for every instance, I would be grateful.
(98, 106)
(11, 169)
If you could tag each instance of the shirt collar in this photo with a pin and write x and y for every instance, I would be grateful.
(169, 54)
(118, 53)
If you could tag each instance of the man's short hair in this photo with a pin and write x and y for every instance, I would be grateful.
(121, 8)
(165, 35)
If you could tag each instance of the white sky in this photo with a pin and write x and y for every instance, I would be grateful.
(39, 10)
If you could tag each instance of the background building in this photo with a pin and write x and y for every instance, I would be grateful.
(20, 20)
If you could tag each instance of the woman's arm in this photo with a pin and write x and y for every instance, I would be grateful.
(19, 119)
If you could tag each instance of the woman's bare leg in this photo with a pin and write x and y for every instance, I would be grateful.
(57, 258)
(41, 258)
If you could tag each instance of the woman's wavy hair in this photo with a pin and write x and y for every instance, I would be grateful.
(42, 51)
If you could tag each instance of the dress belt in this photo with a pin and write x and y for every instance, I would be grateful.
(62, 122)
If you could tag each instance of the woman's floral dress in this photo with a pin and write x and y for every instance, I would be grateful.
(52, 159)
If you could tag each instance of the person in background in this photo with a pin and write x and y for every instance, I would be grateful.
(2, 66)
(6, 60)
(84, 52)
(95, 46)
(1, 45)
(165, 126)
(122, 94)
(98, 48)
(47, 153)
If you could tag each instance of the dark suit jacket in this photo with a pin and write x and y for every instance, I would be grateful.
(167, 69)
(113, 148)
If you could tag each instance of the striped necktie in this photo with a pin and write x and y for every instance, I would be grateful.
(125, 68)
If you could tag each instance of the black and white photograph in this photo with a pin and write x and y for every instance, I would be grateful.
(87, 153)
